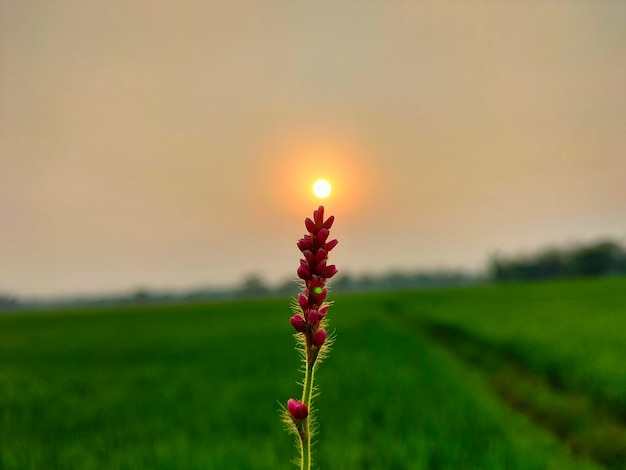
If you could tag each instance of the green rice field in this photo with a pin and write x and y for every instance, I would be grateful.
(520, 376)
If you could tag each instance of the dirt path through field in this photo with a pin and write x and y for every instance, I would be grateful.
(588, 428)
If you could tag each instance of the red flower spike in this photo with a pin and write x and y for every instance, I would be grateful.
(319, 338)
(303, 301)
(310, 225)
(298, 323)
(322, 235)
(297, 409)
(310, 311)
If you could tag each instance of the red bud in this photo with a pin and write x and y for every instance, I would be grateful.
(305, 243)
(314, 317)
(298, 323)
(310, 225)
(318, 216)
(320, 297)
(297, 409)
(330, 271)
(303, 301)
(320, 267)
(319, 338)
(314, 282)
(331, 244)
(321, 254)
(304, 272)
(329, 223)
(322, 235)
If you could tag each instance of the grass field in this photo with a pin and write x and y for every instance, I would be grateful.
(527, 376)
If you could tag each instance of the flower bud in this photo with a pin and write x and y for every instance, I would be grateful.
(331, 244)
(304, 272)
(320, 267)
(320, 255)
(297, 409)
(314, 317)
(329, 223)
(305, 243)
(318, 216)
(298, 323)
(308, 254)
(322, 235)
(315, 282)
(330, 271)
(303, 301)
(319, 338)
(320, 295)
(310, 225)
(323, 310)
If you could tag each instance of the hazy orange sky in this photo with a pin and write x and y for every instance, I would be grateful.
(173, 144)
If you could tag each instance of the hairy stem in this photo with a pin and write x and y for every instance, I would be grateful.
(305, 436)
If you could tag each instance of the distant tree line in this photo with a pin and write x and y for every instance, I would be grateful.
(600, 258)
(398, 280)
(253, 286)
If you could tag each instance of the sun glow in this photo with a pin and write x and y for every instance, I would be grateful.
(295, 161)
(322, 188)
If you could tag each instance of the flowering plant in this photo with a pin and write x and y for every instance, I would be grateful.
(309, 321)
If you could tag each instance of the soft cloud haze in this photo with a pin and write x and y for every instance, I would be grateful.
(173, 144)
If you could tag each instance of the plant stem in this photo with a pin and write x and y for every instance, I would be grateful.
(305, 462)
(307, 392)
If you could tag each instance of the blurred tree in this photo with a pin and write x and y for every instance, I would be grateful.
(8, 301)
(254, 286)
(604, 257)
(141, 295)
(344, 283)
(601, 258)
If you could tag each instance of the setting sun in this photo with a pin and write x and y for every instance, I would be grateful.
(321, 188)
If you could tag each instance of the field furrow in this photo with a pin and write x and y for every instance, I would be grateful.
(588, 427)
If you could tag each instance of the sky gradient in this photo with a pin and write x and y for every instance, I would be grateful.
(173, 145)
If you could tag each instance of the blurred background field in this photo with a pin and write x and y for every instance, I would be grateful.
(479, 377)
